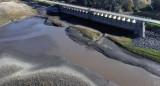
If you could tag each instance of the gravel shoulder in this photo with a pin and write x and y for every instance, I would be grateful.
(151, 41)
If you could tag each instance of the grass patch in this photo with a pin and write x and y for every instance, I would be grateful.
(127, 43)
(87, 32)
(44, 3)
(55, 21)
(12, 10)
(150, 26)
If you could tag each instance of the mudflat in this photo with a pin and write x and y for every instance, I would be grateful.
(27, 57)
(36, 48)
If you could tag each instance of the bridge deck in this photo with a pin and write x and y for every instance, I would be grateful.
(106, 12)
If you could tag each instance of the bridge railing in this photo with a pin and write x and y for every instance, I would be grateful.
(139, 18)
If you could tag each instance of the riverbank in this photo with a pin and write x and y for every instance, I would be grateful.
(54, 21)
(105, 46)
(111, 50)
(14, 11)
(58, 72)
(33, 39)
(127, 43)
(34, 62)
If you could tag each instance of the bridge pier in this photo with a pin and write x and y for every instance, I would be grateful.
(140, 28)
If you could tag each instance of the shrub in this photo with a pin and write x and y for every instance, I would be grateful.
(152, 26)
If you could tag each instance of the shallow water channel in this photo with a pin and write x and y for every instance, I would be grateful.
(33, 38)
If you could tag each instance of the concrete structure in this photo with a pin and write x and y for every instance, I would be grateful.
(132, 23)
(118, 21)
(123, 22)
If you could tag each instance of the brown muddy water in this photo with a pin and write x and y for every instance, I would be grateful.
(33, 38)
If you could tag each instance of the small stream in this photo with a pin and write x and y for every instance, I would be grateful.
(33, 38)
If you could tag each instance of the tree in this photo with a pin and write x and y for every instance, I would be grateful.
(156, 5)
(128, 6)
(115, 5)
(82, 2)
(70, 1)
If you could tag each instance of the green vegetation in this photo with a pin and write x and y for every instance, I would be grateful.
(55, 21)
(152, 26)
(146, 8)
(119, 5)
(156, 5)
(41, 2)
(87, 32)
(45, 3)
(153, 15)
(113, 5)
(127, 43)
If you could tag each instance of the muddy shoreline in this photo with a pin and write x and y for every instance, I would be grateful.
(110, 49)
(113, 51)
(43, 63)
(56, 63)
(52, 32)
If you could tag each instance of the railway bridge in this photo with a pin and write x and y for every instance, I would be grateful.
(136, 24)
